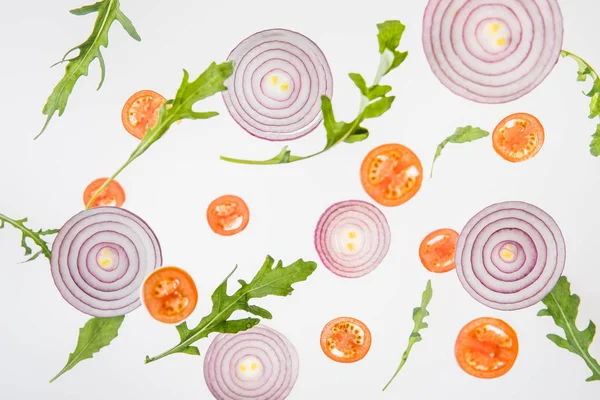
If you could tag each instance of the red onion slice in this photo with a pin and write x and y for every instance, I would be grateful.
(101, 257)
(352, 238)
(492, 51)
(275, 90)
(510, 255)
(258, 364)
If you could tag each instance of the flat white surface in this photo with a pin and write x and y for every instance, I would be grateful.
(171, 185)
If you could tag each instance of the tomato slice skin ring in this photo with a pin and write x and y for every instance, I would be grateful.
(165, 289)
(432, 254)
(518, 137)
(228, 215)
(137, 124)
(486, 348)
(349, 333)
(391, 174)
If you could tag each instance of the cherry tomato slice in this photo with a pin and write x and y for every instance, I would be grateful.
(228, 215)
(518, 137)
(140, 112)
(345, 340)
(486, 348)
(437, 250)
(169, 294)
(112, 195)
(391, 174)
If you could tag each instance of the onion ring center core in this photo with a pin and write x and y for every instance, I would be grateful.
(107, 258)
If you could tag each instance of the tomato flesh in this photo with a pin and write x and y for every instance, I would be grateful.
(170, 294)
(391, 174)
(140, 112)
(487, 348)
(437, 250)
(228, 215)
(345, 340)
(518, 137)
(111, 195)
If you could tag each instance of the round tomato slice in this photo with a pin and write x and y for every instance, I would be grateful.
(391, 174)
(486, 348)
(140, 112)
(169, 294)
(228, 215)
(437, 250)
(112, 195)
(518, 137)
(345, 340)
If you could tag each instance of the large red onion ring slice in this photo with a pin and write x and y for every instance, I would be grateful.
(100, 258)
(275, 90)
(510, 255)
(352, 238)
(257, 364)
(492, 51)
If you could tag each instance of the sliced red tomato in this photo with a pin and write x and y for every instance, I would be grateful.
(391, 174)
(228, 215)
(140, 112)
(170, 294)
(112, 195)
(437, 250)
(345, 340)
(486, 348)
(518, 137)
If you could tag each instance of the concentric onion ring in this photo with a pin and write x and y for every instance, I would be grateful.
(275, 90)
(352, 238)
(492, 51)
(257, 364)
(510, 255)
(101, 257)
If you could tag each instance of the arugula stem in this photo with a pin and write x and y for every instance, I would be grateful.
(27, 233)
(364, 102)
(404, 359)
(593, 73)
(108, 181)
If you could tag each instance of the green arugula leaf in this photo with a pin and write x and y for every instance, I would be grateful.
(360, 83)
(210, 82)
(563, 307)
(95, 334)
(269, 281)
(108, 12)
(419, 314)
(461, 135)
(390, 33)
(30, 234)
(374, 102)
(379, 107)
(584, 71)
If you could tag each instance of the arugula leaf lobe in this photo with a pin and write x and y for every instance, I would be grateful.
(78, 66)
(419, 314)
(210, 82)
(268, 281)
(374, 102)
(584, 71)
(96, 334)
(563, 307)
(28, 233)
(461, 135)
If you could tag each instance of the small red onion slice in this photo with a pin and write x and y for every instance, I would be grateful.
(492, 51)
(100, 258)
(510, 255)
(275, 90)
(257, 364)
(352, 238)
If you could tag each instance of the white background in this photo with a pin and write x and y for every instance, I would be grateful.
(171, 185)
